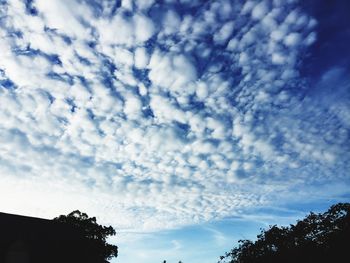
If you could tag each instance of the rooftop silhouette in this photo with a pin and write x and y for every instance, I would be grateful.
(26, 239)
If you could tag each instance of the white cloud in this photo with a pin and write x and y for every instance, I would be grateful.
(165, 111)
(173, 72)
(141, 58)
(127, 4)
(144, 4)
(278, 58)
(201, 90)
(292, 39)
(132, 107)
(144, 28)
(123, 57)
(128, 116)
(171, 23)
(109, 35)
(260, 10)
(224, 33)
(63, 16)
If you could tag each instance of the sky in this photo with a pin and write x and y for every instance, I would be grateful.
(185, 124)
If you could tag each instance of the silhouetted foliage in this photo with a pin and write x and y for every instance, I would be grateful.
(317, 238)
(94, 232)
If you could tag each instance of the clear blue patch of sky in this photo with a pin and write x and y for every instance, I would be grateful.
(333, 36)
(203, 243)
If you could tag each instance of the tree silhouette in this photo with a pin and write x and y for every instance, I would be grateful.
(317, 238)
(95, 233)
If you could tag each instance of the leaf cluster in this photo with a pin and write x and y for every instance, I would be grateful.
(95, 233)
(317, 238)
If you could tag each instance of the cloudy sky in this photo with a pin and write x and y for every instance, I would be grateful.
(186, 124)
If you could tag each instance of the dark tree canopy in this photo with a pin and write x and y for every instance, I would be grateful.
(317, 238)
(94, 232)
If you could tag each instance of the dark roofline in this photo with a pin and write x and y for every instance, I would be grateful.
(25, 217)
(42, 239)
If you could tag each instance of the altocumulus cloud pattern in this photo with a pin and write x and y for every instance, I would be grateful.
(158, 114)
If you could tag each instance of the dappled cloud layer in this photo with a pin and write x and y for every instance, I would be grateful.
(156, 115)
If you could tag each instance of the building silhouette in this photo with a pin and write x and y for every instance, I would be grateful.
(26, 239)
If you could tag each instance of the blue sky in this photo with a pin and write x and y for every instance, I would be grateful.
(187, 125)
